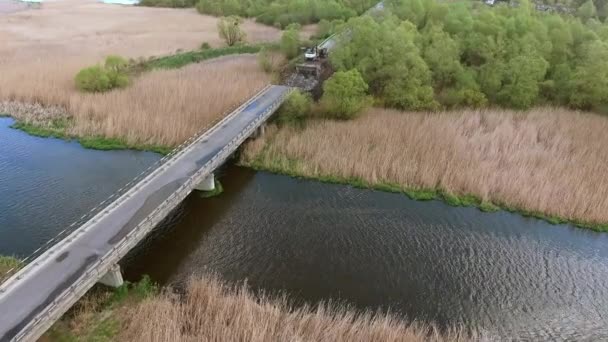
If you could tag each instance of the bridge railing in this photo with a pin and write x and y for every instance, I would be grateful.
(95, 271)
(118, 193)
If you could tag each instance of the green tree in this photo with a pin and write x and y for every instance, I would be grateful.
(93, 79)
(290, 42)
(587, 10)
(344, 95)
(295, 108)
(522, 81)
(589, 82)
(229, 29)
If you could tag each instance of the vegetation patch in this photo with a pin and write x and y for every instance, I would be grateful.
(8, 265)
(213, 193)
(58, 129)
(459, 157)
(281, 13)
(99, 315)
(182, 59)
(113, 74)
(434, 54)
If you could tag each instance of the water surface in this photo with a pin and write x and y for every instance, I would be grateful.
(46, 184)
(516, 277)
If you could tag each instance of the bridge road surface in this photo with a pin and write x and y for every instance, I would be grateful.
(29, 298)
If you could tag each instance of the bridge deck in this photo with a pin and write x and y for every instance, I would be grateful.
(36, 296)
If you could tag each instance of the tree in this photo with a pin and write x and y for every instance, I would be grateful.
(587, 11)
(229, 29)
(344, 95)
(290, 41)
(98, 79)
(522, 81)
(93, 79)
(295, 108)
(589, 84)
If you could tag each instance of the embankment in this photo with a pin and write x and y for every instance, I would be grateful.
(547, 163)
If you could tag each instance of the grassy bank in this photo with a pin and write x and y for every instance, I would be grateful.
(545, 163)
(8, 265)
(59, 131)
(99, 315)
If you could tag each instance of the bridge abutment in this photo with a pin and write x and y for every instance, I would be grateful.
(113, 278)
(208, 184)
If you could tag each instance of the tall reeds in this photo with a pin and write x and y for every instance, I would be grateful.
(547, 160)
(41, 52)
(211, 311)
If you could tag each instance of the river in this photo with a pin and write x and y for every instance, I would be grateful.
(512, 276)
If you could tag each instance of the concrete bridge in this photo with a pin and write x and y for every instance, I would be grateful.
(40, 293)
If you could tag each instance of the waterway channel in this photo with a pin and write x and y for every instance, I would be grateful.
(515, 277)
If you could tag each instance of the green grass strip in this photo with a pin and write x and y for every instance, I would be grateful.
(181, 59)
(291, 168)
(58, 130)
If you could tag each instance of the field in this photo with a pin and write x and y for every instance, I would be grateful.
(41, 53)
(546, 162)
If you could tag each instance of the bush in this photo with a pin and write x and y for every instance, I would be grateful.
(205, 46)
(281, 13)
(344, 95)
(93, 79)
(168, 3)
(98, 79)
(229, 29)
(264, 60)
(290, 42)
(295, 108)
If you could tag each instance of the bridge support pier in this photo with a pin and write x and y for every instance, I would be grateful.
(208, 184)
(113, 278)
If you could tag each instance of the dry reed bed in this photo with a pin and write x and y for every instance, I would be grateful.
(547, 160)
(162, 107)
(41, 52)
(211, 311)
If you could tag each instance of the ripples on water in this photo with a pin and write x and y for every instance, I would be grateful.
(512, 276)
(46, 184)
(515, 277)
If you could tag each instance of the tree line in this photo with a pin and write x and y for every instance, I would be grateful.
(426, 55)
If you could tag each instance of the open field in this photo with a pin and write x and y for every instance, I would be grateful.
(40, 53)
(546, 162)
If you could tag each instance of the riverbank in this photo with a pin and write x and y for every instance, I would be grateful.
(545, 163)
(212, 310)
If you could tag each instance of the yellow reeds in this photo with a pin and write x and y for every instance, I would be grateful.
(43, 49)
(546, 160)
(211, 311)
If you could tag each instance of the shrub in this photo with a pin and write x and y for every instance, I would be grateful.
(205, 46)
(229, 29)
(295, 108)
(344, 95)
(168, 3)
(264, 60)
(93, 79)
(290, 42)
(98, 79)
